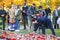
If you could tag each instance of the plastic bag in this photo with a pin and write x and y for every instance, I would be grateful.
(11, 26)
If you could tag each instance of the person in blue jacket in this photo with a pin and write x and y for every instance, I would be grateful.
(30, 12)
(43, 22)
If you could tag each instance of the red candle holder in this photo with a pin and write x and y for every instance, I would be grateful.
(9, 38)
(14, 38)
(31, 34)
(40, 38)
(3, 36)
(58, 38)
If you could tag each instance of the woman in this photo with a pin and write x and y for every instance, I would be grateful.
(12, 18)
(17, 17)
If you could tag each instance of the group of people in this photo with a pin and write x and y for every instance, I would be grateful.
(56, 16)
(40, 18)
(14, 17)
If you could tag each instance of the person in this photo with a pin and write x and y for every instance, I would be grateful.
(24, 15)
(3, 16)
(55, 17)
(11, 12)
(8, 14)
(41, 11)
(17, 17)
(59, 11)
(43, 22)
(31, 11)
(58, 21)
(48, 11)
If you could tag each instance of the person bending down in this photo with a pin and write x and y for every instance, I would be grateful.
(40, 21)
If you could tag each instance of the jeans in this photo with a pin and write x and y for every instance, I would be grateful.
(25, 21)
(30, 21)
(17, 23)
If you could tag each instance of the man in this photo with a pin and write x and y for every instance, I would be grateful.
(24, 15)
(41, 11)
(59, 11)
(3, 16)
(55, 17)
(48, 10)
(31, 11)
(43, 22)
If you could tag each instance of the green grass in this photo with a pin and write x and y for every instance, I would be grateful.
(48, 31)
(24, 31)
(56, 30)
(0, 26)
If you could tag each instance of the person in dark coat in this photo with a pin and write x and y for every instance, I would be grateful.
(43, 22)
(3, 16)
(48, 11)
(24, 15)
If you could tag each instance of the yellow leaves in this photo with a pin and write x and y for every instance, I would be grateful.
(43, 1)
(36, 2)
(19, 2)
(29, 2)
(6, 8)
(0, 0)
(7, 4)
(53, 4)
(15, 0)
(7, 0)
(53, 0)
(1, 3)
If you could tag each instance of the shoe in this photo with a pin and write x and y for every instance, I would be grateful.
(24, 29)
(17, 30)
